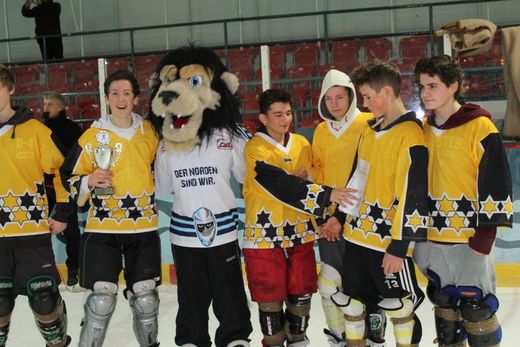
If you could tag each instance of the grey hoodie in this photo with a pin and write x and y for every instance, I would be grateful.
(331, 79)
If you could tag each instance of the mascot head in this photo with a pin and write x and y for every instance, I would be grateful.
(192, 94)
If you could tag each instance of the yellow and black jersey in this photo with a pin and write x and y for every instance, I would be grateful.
(334, 149)
(27, 151)
(279, 206)
(394, 208)
(131, 208)
(469, 180)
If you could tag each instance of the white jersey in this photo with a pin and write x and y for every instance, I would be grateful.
(204, 211)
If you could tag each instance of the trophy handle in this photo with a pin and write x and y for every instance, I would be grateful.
(118, 148)
(88, 150)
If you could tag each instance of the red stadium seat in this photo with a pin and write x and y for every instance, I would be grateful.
(250, 102)
(115, 64)
(306, 55)
(144, 67)
(414, 48)
(377, 48)
(301, 87)
(241, 61)
(27, 74)
(345, 54)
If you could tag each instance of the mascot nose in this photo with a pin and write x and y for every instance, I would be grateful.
(168, 96)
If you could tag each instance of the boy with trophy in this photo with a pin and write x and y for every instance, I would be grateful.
(27, 266)
(111, 167)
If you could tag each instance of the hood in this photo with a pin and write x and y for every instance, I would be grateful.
(331, 79)
(22, 114)
(105, 123)
(464, 114)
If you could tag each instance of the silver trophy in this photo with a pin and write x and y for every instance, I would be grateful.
(104, 156)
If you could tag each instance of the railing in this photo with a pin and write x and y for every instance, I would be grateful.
(325, 15)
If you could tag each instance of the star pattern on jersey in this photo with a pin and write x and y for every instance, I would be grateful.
(5, 216)
(463, 213)
(121, 208)
(374, 219)
(101, 213)
(40, 189)
(496, 209)
(128, 202)
(309, 203)
(74, 182)
(415, 221)
(265, 234)
(26, 201)
(21, 208)
(489, 207)
(445, 206)
(262, 218)
(508, 207)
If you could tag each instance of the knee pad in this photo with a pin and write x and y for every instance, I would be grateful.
(99, 307)
(329, 281)
(446, 297)
(272, 323)
(145, 308)
(479, 317)
(348, 305)
(48, 308)
(448, 325)
(375, 323)
(407, 327)
(354, 314)
(297, 314)
(6, 307)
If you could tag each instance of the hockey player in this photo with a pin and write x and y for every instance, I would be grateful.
(280, 232)
(338, 137)
(121, 223)
(470, 196)
(393, 213)
(27, 266)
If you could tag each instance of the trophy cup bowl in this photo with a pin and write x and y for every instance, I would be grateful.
(103, 157)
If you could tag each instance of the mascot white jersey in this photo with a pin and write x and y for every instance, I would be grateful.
(194, 103)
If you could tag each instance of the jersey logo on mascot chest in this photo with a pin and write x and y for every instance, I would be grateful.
(224, 144)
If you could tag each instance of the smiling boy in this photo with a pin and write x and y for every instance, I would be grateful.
(121, 224)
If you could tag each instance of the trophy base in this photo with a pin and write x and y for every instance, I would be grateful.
(104, 191)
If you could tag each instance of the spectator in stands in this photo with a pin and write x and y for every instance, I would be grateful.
(470, 194)
(46, 14)
(338, 137)
(68, 133)
(27, 265)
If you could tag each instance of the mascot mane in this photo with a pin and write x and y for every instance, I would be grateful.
(221, 112)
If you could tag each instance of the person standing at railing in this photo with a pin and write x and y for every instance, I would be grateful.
(46, 15)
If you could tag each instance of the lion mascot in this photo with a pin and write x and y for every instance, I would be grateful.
(194, 102)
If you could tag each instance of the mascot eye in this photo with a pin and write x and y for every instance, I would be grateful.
(195, 80)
